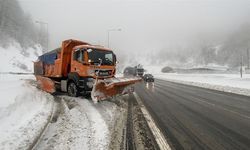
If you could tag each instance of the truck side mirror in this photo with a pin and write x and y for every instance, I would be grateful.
(115, 60)
(100, 62)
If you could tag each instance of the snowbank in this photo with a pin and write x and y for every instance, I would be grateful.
(16, 59)
(222, 82)
(24, 111)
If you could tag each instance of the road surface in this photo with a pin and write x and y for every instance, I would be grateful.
(196, 118)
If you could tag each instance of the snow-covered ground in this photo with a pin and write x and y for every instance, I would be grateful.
(81, 125)
(16, 59)
(222, 82)
(24, 111)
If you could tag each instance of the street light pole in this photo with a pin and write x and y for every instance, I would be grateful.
(110, 30)
(108, 38)
(47, 32)
(241, 66)
(248, 58)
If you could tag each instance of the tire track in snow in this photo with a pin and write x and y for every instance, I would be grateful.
(79, 126)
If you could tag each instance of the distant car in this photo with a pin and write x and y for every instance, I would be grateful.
(148, 78)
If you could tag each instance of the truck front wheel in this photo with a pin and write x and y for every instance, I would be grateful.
(73, 90)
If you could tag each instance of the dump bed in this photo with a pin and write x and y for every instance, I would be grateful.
(56, 63)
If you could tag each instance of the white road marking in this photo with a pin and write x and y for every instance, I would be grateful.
(159, 137)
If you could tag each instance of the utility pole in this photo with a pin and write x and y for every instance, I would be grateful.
(241, 66)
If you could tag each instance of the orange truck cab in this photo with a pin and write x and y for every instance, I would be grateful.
(74, 66)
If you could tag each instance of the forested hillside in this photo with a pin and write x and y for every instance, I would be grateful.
(236, 47)
(21, 41)
(227, 52)
(15, 25)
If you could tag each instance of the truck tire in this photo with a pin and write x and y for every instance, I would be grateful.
(73, 90)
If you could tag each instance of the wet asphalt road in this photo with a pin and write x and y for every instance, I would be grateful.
(196, 118)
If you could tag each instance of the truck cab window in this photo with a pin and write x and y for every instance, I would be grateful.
(109, 58)
(79, 56)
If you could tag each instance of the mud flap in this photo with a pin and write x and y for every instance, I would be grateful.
(108, 88)
(45, 84)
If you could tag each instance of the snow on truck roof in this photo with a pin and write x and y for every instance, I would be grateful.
(92, 47)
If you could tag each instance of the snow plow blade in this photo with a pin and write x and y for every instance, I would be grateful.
(45, 84)
(107, 88)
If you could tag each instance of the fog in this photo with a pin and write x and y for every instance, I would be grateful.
(147, 25)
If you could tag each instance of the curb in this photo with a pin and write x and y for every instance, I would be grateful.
(159, 137)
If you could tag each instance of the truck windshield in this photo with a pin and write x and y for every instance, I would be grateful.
(106, 56)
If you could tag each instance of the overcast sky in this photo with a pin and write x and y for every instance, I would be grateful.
(146, 24)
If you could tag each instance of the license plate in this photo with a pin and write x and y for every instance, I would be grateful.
(103, 73)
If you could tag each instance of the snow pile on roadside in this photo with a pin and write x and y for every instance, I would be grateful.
(222, 82)
(24, 111)
(16, 59)
(212, 66)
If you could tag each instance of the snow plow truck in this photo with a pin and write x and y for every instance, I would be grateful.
(78, 68)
